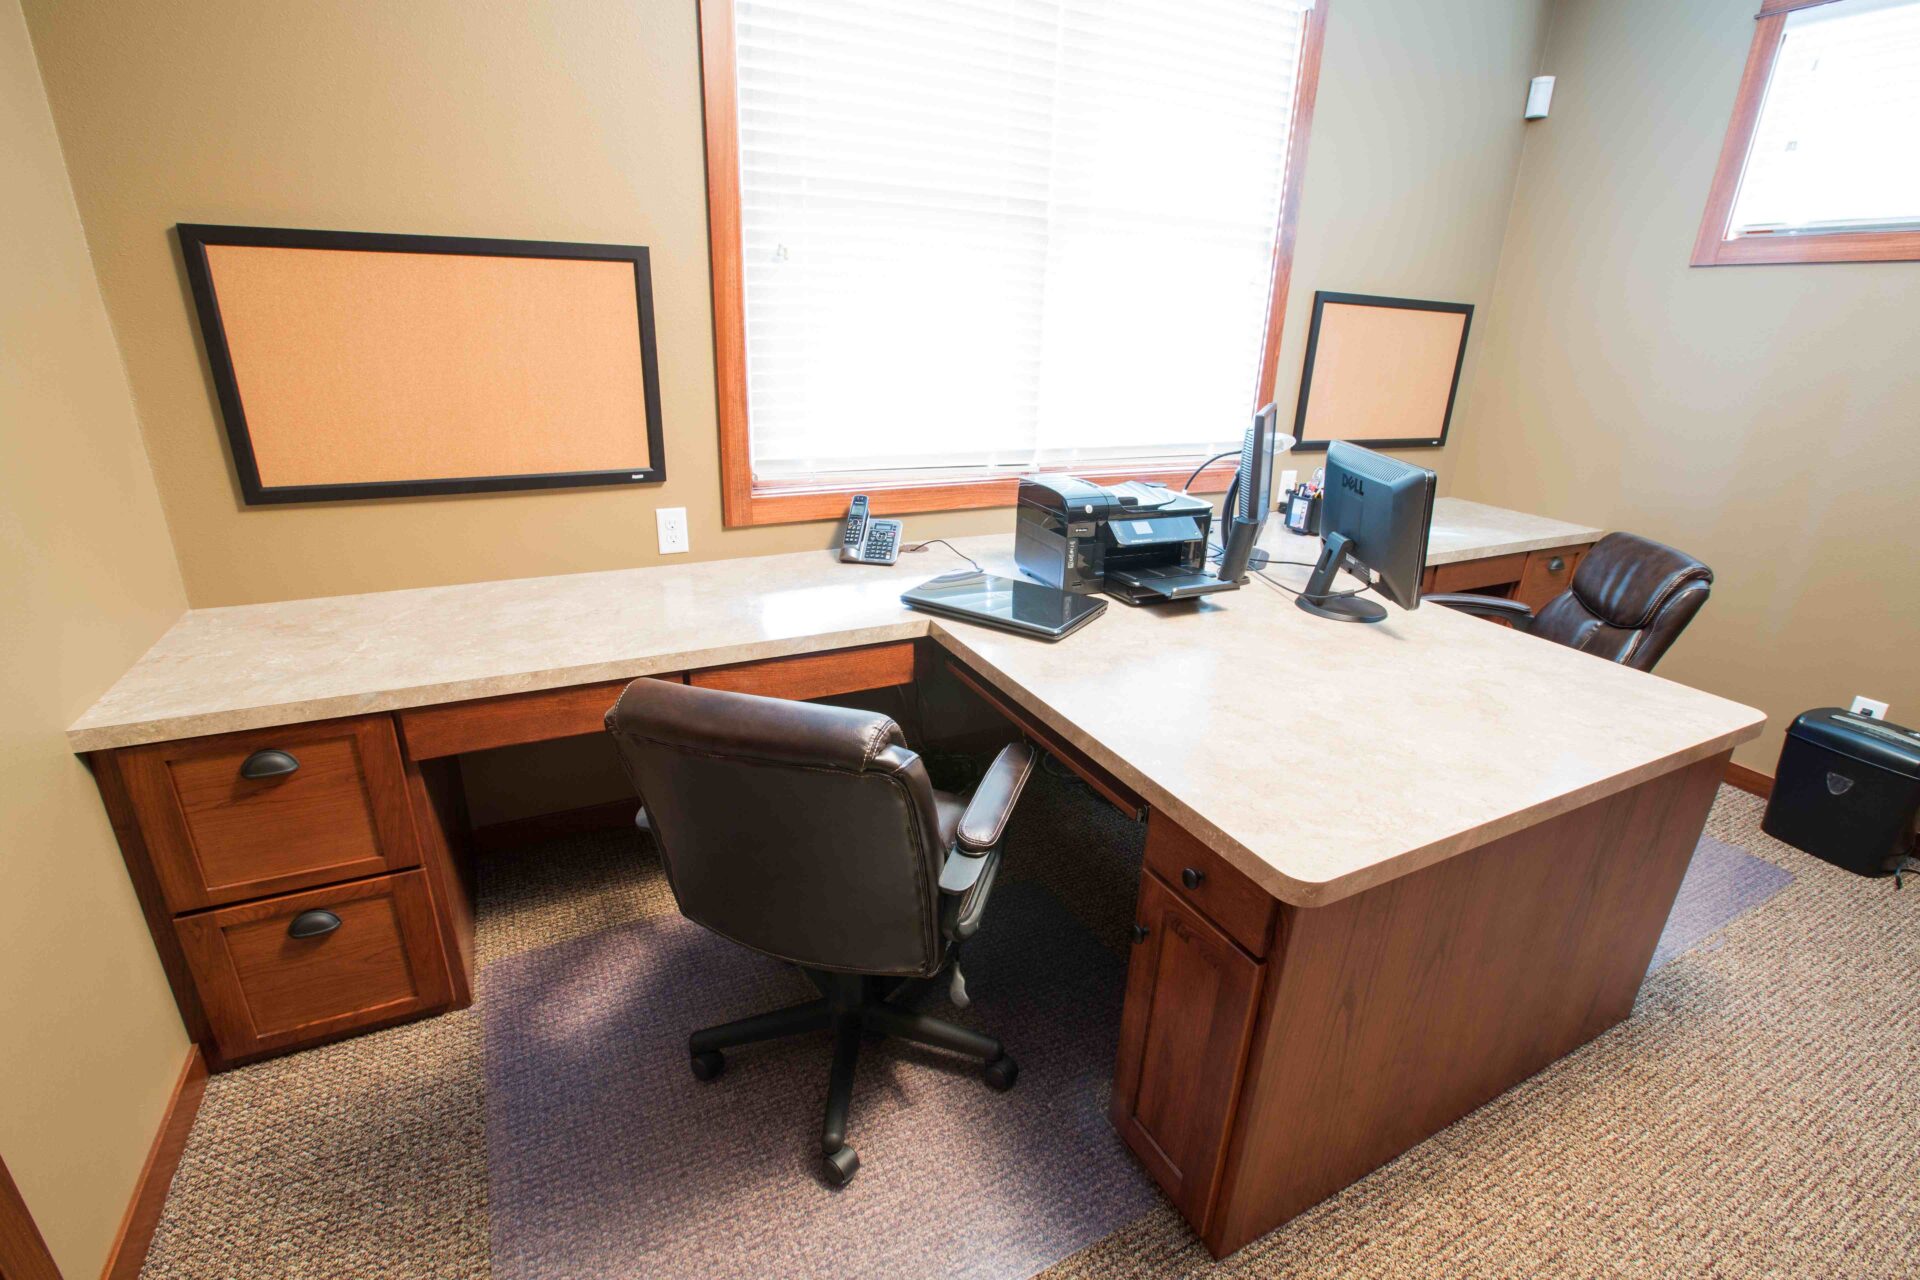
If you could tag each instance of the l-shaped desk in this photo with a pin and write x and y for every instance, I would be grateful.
(1390, 870)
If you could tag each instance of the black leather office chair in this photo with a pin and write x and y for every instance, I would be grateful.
(1629, 601)
(810, 834)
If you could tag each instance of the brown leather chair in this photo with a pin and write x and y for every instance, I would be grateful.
(810, 834)
(1630, 600)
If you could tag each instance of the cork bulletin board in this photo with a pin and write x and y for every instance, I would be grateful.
(351, 365)
(1381, 372)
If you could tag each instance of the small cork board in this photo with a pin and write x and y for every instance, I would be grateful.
(1381, 372)
(352, 365)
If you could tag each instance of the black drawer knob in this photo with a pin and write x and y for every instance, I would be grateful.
(268, 764)
(313, 924)
(1139, 933)
(1191, 877)
(1556, 564)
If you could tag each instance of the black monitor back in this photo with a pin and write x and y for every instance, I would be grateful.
(1385, 509)
(1255, 478)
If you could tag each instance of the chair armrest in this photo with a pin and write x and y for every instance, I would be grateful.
(1484, 607)
(985, 819)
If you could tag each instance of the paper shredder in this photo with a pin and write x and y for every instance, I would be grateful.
(1847, 790)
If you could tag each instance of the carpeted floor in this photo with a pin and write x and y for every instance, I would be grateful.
(1756, 1115)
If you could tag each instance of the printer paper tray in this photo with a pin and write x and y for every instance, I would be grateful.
(1147, 589)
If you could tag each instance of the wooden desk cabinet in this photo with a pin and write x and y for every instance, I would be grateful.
(313, 881)
(1183, 1044)
(1253, 1081)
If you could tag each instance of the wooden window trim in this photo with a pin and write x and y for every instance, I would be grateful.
(744, 502)
(1713, 248)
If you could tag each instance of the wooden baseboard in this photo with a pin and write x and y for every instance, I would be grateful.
(150, 1192)
(23, 1250)
(1751, 781)
(545, 826)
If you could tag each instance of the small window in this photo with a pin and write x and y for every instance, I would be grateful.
(1822, 163)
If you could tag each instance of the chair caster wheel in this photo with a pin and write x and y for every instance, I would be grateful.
(841, 1165)
(1001, 1072)
(708, 1065)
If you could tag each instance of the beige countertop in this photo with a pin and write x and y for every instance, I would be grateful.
(1465, 530)
(1318, 757)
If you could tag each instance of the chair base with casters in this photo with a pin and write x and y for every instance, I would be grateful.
(851, 1005)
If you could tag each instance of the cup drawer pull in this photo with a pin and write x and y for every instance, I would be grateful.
(268, 764)
(313, 924)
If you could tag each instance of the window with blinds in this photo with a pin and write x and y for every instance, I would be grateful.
(1837, 146)
(983, 236)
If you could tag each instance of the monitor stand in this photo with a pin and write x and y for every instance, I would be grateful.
(1314, 597)
(1237, 552)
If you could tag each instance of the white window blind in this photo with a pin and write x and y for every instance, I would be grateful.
(1837, 147)
(1000, 234)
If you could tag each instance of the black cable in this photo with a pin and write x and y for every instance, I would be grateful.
(922, 546)
(1209, 462)
(1329, 595)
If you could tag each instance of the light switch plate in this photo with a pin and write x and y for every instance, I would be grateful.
(1869, 707)
(673, 529)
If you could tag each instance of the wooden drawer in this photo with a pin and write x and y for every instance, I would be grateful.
(815, 675)
(1199, 876)
(515, 718)
(265, 989)
(1472, 575)
(216, 836)
(1547, 574)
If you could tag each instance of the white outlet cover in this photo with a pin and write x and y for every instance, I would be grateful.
(672, 522)
(1539, 97)
(1870, 707)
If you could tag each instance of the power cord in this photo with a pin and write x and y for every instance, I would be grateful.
(1209, 462)
(1295, 591)
(922, 546)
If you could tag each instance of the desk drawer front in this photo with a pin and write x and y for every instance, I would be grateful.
(247, 814)
(1203, 879)
(815, 675)
(296, 969)
(1547, 574)
(1475, 575)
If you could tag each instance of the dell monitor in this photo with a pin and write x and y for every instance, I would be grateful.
(1374, 520)
(1250, 498)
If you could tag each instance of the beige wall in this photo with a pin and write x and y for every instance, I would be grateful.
(1410, 172)
(90, 1042)
(1766, 419)
(581, 121)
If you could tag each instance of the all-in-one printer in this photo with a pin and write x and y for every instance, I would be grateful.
(1139, 543)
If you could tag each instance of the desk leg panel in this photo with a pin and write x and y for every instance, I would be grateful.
(439, 806)
(1389, 1015)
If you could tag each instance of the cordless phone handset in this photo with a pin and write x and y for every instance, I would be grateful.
(865, 541)
(854, 535)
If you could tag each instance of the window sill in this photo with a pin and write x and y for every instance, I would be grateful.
(791, 502)
(1840, 246)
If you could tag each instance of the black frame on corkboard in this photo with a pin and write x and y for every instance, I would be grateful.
(194, 239)
(1320, 300)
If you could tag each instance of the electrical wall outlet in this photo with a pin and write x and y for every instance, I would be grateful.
(673, 529)
(1869, 707)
